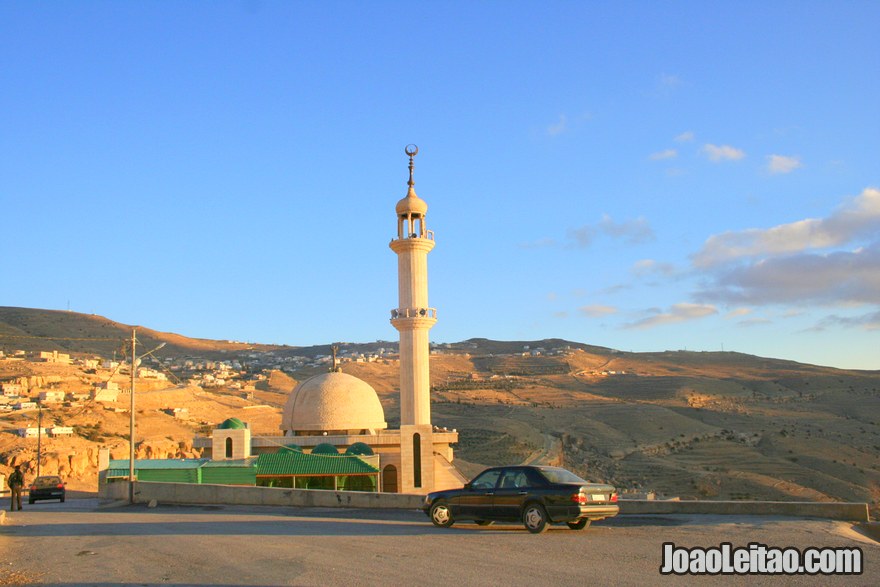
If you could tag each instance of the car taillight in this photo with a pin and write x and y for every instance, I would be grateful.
(33, 487)
(579, 498)
(614, 498)
(61, 486)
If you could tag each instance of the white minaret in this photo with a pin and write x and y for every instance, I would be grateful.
(413, 319)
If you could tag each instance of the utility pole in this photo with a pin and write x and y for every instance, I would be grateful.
(131, 420)
(39, 435)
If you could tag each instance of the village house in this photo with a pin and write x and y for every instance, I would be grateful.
(54, 357)
(51, 396)
(105, 392)
(11, 389)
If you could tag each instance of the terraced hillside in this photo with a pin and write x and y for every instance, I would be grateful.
(693, 425)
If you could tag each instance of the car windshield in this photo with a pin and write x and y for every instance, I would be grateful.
(47, 481)
(555, 475)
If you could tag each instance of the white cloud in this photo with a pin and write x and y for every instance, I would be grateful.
(722, 152)
(837, 278)
(597, 311)
(669, 81)
(677, 313)
(777, 164)
(558, 127)
(633, 231)
(660, 155)
(646, 267)
(738, 312)
(685, 137)
(855, 218)
(869, 321)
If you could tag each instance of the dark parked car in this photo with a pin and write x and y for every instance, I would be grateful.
(47, 487)
(536, 496)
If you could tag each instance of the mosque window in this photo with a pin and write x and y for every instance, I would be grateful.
(417, 460)
(228, 447)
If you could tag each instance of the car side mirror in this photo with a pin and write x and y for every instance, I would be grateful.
(468, 485)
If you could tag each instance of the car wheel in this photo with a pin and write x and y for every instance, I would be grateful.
(579, 524)
(62, 500)
(31, 501)
(535, 518)
(441, 515)
(484, 522)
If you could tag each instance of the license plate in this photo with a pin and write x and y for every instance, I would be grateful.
(598, 497)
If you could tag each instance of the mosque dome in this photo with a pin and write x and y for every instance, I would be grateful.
(232, 424)
(325, 448)
(359, 449)
(333, 402)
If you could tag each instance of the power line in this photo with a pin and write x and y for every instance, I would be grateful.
(3, 336)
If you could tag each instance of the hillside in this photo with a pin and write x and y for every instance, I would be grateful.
(694, 425)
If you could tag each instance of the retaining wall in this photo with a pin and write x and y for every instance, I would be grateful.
(803, 509)
(190, 493)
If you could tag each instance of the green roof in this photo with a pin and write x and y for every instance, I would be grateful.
(232, 424)
(248, 462)
(294, 463)
(158, 463)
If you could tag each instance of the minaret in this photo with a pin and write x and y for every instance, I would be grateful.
(413, 319)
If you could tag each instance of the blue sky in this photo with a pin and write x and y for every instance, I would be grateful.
(639, 175)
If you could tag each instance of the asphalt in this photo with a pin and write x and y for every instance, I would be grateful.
(79, 543)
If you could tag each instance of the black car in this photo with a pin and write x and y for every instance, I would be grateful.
(536, 496)
(47, 487)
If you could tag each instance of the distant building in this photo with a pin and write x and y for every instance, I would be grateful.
(11, 389)
(51, 397)
(54, 357)
(106, 392)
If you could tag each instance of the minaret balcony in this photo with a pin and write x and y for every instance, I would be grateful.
(413, 243)
(413, 318)
(414, 313)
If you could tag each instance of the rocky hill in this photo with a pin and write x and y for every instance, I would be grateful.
(693, 425)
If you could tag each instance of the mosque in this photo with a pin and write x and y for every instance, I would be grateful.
(336, 413)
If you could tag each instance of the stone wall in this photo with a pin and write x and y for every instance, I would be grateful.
(186, 493)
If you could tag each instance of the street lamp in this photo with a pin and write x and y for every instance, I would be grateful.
(135, 360)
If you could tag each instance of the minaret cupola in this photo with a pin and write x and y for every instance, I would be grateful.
(411, 210)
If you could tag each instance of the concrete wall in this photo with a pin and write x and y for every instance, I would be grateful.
(187, 493)
(191, 493)
(801, 509)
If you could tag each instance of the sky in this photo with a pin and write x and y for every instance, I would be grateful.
(644, 176)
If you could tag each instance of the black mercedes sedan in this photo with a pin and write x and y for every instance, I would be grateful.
(534, 495)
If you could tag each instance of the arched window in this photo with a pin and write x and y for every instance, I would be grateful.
(228, 447)
(417, 460)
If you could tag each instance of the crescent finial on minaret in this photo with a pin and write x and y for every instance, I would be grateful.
(412, 151)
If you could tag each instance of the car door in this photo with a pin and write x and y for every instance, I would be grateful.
(510, 495)
(475, 502)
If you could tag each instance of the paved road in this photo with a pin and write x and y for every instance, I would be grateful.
(77, 543)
